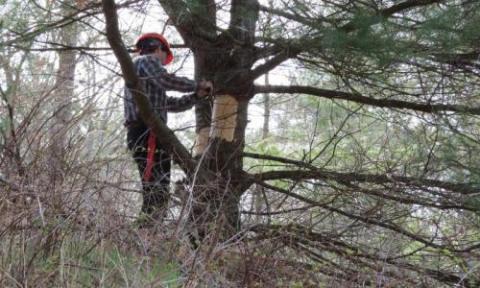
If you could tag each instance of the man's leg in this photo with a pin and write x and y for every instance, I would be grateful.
(156, 191)
(137, 143)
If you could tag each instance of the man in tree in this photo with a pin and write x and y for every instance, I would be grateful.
(152, 161)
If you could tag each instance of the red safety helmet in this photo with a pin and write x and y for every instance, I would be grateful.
(143, 43)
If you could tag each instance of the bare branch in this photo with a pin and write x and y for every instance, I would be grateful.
(63, 47)
(77, 15)
(305, 237)
(371, 220)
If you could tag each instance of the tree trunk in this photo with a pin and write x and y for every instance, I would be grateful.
(228, 64)
(217, 201)
(61, 108)
(217, 198)
(203, 110)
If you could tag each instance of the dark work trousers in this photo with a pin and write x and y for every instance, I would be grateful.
(156, 190)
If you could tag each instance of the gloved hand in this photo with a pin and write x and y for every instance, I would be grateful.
(204, 89)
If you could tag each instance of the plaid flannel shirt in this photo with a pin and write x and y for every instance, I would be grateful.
(155, 82)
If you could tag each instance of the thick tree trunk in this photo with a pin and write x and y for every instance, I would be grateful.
(227, 59)
(216, 207)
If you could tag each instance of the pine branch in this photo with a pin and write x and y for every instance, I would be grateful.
(294, 17)
(297, 163)
(397, 193)
(385, 13)
(358, 98)
(273, 63)
(321, 174)
(403, 6)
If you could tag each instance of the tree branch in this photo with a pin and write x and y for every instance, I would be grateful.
(63, 47)
(405, 6)
(193, 23)
(370, 220)
(358, 98)
(397, 193)
(243, 20)
(297, 163)
(364, 219)
(294, 17)
(460, 59)
(385, 13)
(77, 15)
(321, 174)
(272, 63)
(305, 237)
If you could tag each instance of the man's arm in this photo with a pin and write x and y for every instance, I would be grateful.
(204, 89)
(180, 104)
(154, 72)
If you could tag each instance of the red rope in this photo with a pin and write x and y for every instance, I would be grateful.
(151, 147)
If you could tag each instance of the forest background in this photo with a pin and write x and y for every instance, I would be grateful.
(350, 158)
